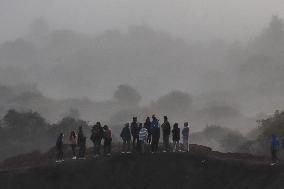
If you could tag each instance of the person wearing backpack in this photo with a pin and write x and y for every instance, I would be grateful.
(126, 138)
(73, 143)
(96, 139)
(59, 147)
(107, 140)
(143, 135)
(166, 128)
(185, 136)
(176, 137)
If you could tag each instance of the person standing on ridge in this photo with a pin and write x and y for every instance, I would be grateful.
(176, 137)
(274, 149)
(73, 143)
(166, 128)
(147, 125)
(185, 136)
(96, 138)
(143, 134)
(126, 138)
(134, 132)
(107, 136)
(81, 143)
(155, 130)
(59, 147)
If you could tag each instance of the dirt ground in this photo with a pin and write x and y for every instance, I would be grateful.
(201, 168)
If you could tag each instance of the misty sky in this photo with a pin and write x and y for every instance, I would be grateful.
(190, 19)
(90, 47)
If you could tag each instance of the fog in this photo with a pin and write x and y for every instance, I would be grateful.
(208, 62)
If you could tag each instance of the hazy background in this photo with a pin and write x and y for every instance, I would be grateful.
(209, 62)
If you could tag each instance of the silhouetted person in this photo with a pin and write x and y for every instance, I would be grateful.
(274, 149)
(185, 136)
(176, 137)
(107, 136)
(59, 147)
(134, 132)
(126, 138)
(73, 143)
(147, 125)
(140, 126)
(96, 138)
(166, 128)
(81, 143)
(143, 134)
(155, 130)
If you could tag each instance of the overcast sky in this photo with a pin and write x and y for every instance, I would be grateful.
(190, 19)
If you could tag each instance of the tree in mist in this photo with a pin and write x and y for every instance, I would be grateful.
(176, 103)
(39, 27)
(126, 95)
(24, 125)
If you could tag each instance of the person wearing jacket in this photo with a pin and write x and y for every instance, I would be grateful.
(274, 149)
(134, 132)
(147, 125)
(126, 138)
(73, 143)
(59, 147)
(81, 143)
(176, 137)
(155, 130)
(185, 136)
(96, 138)
(143, 135)
(166, 128)
(107, 136)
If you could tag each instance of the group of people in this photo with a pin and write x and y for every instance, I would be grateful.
(98, 134)
(148, 134)
(135, 136)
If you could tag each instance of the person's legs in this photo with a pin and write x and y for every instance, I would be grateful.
(73, 146)
(83, 151)
(80, 151)
(109, 148)
(167, 143)
(60, 154)
(124, 146)
(175, 146)
(273, 156)
(153, 145)
(185, 145)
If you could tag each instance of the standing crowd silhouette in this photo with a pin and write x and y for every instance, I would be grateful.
(136, 137)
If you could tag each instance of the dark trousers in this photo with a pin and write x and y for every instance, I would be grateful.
(97, 147)
(135, 142)
(149, 138)
(73, 147)
(274, 157)
(59, 154)
(154, 145)
(166, 142)
(82, 150)
(126, 146)
(107, 147)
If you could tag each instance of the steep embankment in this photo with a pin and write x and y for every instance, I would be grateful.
(198, 169)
